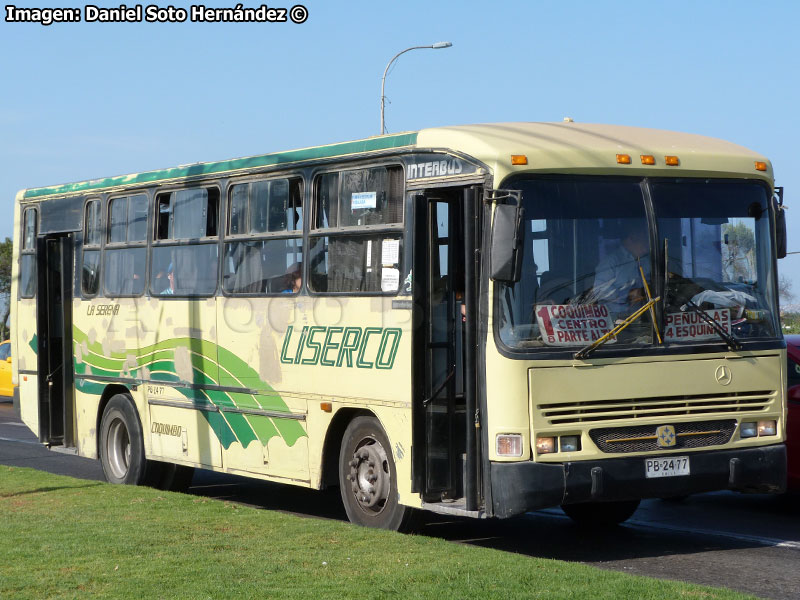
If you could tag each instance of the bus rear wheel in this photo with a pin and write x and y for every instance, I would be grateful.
(601, 514)
(121, 443)
(368, 479)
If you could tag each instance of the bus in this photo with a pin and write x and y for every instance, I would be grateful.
(477, 320)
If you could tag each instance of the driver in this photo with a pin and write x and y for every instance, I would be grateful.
(618, 281)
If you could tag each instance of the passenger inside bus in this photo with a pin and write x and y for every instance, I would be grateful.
(169, 290)
(294, 279)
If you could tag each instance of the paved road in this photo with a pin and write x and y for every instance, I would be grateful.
(748, 543)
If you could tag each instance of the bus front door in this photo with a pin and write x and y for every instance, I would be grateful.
(438, 289)
(54, 335)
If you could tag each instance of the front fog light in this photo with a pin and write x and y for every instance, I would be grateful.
(748, 430)
(767, 428)
(570, 443)
(545, 445)
(509, 444)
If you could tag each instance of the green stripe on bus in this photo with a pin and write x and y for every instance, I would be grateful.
(159, 360)
(264, 427)
(386, 142)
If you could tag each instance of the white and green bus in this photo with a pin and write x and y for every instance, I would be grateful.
(477, 320)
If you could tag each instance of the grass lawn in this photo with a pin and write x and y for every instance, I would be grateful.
(68, 538)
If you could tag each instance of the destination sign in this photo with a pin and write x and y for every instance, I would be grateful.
(690, 326)
(573, 325)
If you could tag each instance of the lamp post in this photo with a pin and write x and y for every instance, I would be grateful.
(435, 46)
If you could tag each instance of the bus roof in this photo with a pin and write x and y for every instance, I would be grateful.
(556, 147)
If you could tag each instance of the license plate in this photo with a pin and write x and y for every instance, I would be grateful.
(673, 466)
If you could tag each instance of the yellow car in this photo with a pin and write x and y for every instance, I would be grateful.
(6, 389)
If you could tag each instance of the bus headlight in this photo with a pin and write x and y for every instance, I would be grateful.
(748, 430)
(509, 444)
(767, 428)
(570, 443)
(545, 445)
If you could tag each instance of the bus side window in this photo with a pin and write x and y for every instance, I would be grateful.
(27, 283)
(125, 254)
(270, 214)
(189, 268)
(346, 260)
(90, 273)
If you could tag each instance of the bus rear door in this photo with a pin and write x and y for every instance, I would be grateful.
(54, 334)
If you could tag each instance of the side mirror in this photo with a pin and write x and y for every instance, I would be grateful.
(780, 223)
(508, 237)
(793, 393)
(780, 231)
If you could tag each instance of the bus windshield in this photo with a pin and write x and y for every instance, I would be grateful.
(590, 260)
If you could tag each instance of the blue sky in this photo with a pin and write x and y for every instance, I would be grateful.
(87, 100)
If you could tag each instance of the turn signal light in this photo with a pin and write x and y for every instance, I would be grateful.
(326, 406)
(648, 159)
(509, 444)
(761, 166)
(672, 161)
(519, 159)
(624, 159)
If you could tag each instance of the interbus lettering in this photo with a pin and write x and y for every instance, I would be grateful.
(374, 347)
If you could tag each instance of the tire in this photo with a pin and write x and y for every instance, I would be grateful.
(174, 478)
(368, 479)
(598, 515)
(121, 443)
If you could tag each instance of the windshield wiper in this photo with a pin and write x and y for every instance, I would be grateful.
(732, 342)
(584, 352)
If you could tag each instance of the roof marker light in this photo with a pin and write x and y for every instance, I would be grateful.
(648, 159)
(624, 159)
(761, 166)
(519, 159)
(672, 161)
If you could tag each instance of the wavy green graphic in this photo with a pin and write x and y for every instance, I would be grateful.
(205, 357)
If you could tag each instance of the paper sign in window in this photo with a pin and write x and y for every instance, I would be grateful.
(359, 200)
(690, 326)
(390, 252)
(573, 324)
(390, 279)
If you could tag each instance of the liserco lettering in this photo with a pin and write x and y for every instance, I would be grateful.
(362, 348)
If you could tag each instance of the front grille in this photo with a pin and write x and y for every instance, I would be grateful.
(626, 409)
(642, 438)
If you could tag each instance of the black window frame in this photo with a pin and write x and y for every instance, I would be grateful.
(293, 178)
(394, 230)
(109, 246)
(28, 253)
(91, 246)
(654, 349)
(156, 243)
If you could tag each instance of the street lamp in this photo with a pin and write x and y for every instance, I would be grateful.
(435, 46)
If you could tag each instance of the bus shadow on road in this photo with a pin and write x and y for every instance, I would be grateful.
(543, 534)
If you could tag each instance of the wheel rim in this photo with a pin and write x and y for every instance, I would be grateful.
(369, 476)
(118, 449)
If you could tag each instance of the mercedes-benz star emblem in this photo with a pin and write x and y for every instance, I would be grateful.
(723, 375)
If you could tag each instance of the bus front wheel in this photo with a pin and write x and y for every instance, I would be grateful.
(121, 443)
(601, 514)
(368, 479)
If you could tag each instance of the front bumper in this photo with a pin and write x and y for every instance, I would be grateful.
(520, 487)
